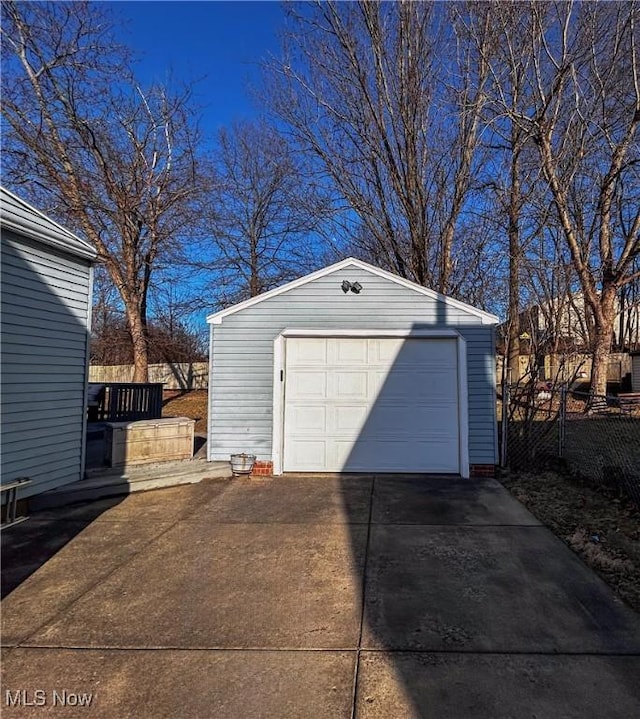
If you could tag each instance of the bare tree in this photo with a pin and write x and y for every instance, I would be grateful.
(115, 162)
(387, 97)
(584, 81)
(263, 213)
(510, 143)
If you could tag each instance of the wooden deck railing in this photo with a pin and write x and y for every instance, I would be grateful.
(125, 401)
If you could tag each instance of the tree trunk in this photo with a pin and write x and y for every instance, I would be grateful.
(513, 340)
(446, 244)
(513, 231)
(621, 325)
(254, 277)
(140, 348)
(603, 332)
(254, 282)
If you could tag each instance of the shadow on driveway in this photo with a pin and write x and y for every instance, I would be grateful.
(473, 609)
(321, 597)
(28, 545)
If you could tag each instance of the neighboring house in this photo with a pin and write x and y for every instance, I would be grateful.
(563, 322)
(555, 344)
(46, 309)
(354, 369)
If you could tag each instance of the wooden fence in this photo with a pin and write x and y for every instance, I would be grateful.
(566, 368)
(173, 375)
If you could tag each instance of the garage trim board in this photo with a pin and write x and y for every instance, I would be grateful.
(280, 379)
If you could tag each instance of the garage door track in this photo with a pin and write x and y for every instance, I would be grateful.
(372, 596)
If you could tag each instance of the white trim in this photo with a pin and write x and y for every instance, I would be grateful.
(487, 318)
(41, 227)
(416, 334)
(277, 424)
(210, 400)
(463, 408)
(279, 365)
(87, 359)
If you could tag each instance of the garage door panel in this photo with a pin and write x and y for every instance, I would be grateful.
(348, 385)
(354, 352)
(418, 387)
(384, 351)
(380, 404)
(410, 353)
(392, 421)
(438, 384)
(306, 455)
(393, 456)
(339, 452)
(313, 351)
(442, 353)
(349, 419)
(309, 419)
(402, 386)
(377, 380)
(307, 384)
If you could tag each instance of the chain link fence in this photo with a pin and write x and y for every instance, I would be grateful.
(553, 427)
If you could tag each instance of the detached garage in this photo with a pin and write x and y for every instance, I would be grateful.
(353, 369)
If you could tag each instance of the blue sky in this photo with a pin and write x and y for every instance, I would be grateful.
(217, 44)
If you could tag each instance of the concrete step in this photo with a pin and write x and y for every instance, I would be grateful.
(110, 483)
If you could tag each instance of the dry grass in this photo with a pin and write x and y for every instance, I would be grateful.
(191, 404)
(600, 527)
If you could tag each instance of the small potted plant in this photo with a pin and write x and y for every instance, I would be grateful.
(242, 464)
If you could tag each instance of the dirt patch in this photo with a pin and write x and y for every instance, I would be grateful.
(190, 404)
(600, 527)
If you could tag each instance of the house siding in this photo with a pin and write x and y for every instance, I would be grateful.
(45, 310)
(635, 373)
(241, 385)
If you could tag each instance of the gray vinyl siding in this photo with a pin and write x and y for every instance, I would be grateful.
(241, 383)
(635, 373)
(45, 309)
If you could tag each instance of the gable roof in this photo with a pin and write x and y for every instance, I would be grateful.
(23, 219)
(486, 317)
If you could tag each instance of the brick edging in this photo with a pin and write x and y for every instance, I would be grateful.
(482, 470)
(262, 469)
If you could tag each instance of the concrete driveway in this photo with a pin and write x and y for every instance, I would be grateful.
(310, 597)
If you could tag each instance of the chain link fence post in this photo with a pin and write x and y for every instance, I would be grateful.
(562, 420)
(505, 423)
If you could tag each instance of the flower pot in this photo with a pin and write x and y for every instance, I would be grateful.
(242, 463)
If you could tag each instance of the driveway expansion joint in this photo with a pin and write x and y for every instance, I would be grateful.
(363, 601)
(176, 648)
(323, 650)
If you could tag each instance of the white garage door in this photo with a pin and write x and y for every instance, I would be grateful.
(371, 405)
